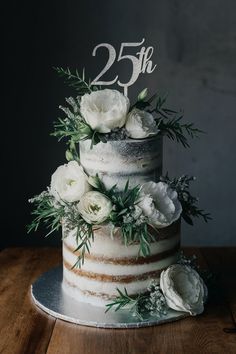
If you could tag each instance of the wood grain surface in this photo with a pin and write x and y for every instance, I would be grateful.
(25, 329)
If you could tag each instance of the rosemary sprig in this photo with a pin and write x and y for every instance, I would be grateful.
(123, 300)
(76, 81)
(151, 302)
(169, 121)
(84, 236)
(175, 130)
(137, 232)
(75, 130)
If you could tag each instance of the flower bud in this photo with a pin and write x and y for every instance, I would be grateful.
(143, 94)
(69, 155)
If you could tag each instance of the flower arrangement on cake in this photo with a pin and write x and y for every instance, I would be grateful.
(120, 217)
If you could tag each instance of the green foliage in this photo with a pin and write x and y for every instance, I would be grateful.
(52, 214)
(76, 81)
(123, 300)
(169, 121)
(188, 202)
(134, 228)
(137, 232)
(151, 302)
(46, 212)
(176, 130)
(123, 200)
(84, 236)
(125, 214)
(84, 232)
(74, 128)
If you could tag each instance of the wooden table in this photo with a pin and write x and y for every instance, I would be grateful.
(24, 329)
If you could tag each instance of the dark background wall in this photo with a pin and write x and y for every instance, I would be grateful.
(195, 49)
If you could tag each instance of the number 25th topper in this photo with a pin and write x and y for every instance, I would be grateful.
(142, 63)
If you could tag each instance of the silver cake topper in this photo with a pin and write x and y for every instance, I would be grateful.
(141, 63)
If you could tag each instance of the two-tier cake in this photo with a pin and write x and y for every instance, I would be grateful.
(120, 216)
(111, 264)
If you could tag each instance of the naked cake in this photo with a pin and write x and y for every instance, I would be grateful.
(120, 215)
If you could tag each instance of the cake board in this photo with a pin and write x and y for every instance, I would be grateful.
(48, 295)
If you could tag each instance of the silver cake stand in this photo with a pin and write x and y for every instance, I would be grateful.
(48, 295)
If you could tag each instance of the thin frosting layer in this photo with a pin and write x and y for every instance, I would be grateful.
(110, 264)
(115, 162)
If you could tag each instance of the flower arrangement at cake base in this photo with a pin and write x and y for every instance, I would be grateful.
(120, 217)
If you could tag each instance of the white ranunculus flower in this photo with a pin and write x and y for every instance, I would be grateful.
(140, 124)
(69, 182)
(159, 203)
(184, 289)
(94, 207)
(104, 110)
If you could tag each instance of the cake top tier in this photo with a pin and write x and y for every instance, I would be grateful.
(116, 162)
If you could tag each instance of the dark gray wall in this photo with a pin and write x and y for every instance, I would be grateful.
(195, 49)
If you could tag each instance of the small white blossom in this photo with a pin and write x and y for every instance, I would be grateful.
(95, 207)
(156, 303)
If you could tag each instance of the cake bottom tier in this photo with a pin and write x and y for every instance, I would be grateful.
(111, 265)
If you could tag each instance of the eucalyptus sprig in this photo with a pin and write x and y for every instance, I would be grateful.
(188, 202)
